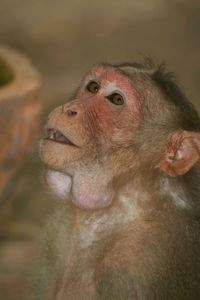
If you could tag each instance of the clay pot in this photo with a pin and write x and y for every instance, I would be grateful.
(20, 86)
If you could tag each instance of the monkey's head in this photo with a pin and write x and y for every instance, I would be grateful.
(125, 123)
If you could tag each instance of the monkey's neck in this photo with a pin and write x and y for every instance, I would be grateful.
(94, 190)
(89, 189)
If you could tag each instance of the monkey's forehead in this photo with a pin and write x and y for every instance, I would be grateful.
(109, 74)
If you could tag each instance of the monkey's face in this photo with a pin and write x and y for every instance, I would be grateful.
(102, 115)
(85, 136)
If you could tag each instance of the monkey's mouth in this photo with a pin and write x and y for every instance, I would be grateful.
(58, 137)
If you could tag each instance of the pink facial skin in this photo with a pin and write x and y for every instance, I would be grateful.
(106, 113)
(90, 184)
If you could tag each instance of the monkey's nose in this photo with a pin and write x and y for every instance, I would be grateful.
(71, 113)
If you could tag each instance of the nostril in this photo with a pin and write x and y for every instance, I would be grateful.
(71, 112)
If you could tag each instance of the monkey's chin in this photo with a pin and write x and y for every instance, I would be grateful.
(55, 155)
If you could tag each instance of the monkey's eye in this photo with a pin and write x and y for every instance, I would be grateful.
(116, 99)
(93, 87)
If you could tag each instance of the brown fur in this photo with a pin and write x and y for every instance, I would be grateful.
(143, 242)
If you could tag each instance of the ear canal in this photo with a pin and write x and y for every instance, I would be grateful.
(182, 153)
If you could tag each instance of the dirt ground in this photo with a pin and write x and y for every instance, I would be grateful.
(64, 39)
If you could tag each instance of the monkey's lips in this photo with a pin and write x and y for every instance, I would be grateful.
(58, 137)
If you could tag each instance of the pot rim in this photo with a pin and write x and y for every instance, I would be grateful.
(26, 78)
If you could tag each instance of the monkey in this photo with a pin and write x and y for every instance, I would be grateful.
(123, 158)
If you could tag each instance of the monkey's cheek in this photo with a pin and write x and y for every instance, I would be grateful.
(57, 156)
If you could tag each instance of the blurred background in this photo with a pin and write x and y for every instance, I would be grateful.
(63, 39)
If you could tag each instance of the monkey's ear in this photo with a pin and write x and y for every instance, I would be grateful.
(182, 152)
